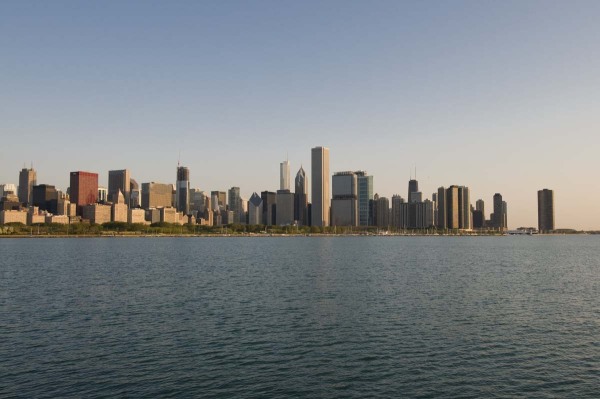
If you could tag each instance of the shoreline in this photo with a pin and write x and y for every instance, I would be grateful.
(217, 235)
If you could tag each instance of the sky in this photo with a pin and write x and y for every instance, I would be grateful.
(500, 96)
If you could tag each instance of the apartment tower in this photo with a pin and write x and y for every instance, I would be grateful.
(545, 210)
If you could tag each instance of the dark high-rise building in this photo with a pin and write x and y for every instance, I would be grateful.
(545, 210)
(284, 212)
(119, 181)
(182, 188)
(478, 219)
(442, 215)
(499, 216)
(344, 204)
(413, 187)
(269, 203)
(83, 189)
(27, 179)
(301, 198)
(45, 197)
(365, 195)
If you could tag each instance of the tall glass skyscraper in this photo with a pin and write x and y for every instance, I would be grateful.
(183, 190)
(365, 194)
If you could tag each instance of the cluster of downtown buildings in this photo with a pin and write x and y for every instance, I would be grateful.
(350, 202)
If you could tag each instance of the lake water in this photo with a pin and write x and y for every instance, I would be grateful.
(304, 317)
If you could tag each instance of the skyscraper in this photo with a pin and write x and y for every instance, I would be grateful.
(83, 189)
(381, 211)
(235, 203)
(269, 204)
(301, 198)
(545, 210)
(45, 197)
(479, 214)
(119, 181)
(499, 215)
(183, 190)
(452, 207)
(480, 206)
(399, 217)
(255, 210)
(320, 186)
(27, 179)
(464, 211)
(344, 205)
(442, 214)
(413, 187)
(365, 194)
(135, 195)
(284, 212)
(284, 175)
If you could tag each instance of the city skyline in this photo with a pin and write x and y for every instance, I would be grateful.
(497, 97)
(341, 204)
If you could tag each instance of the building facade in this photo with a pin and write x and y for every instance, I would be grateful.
(182, 189)
(284, 212)
(157, 195)
(255, 209)
(365, 195)
(235, 204)
(545, 211)
(119, 181)
(284, 175)
(301, 198)
(344, 204)
(269, 205)
(84, 189)
(45, 197)
(27, 179)
(96, 213)
(320, 186)
(499, 217)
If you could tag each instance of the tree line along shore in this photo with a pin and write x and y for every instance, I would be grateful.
(168, 229)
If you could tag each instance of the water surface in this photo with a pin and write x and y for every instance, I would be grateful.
(300, 317)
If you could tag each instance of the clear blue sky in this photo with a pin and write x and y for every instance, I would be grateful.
(502, 96)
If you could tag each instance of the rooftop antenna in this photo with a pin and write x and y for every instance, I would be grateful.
(179, 159)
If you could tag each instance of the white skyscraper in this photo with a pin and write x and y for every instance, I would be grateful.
(284, 175)
(320, 186)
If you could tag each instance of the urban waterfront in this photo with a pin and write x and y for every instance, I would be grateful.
(300, 317)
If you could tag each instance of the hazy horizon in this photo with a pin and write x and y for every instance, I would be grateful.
(497, 96)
